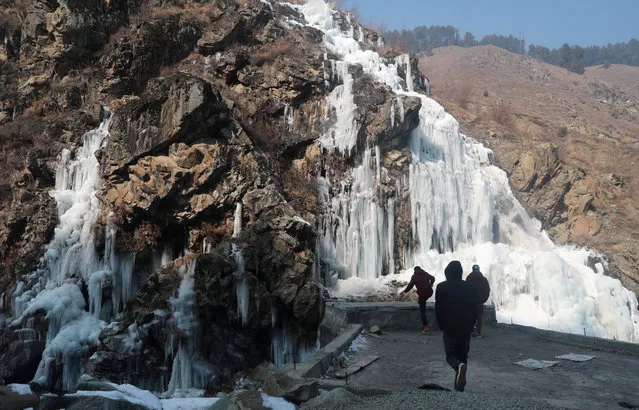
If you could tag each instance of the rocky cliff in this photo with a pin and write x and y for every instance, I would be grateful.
(210, 170)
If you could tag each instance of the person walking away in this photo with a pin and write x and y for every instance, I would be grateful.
(424, 282)
(479, 282)
(456, 311)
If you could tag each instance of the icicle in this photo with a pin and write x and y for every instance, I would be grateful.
(242, 291)
(167, 256)
(206, 247)
(378, 168)
(289, 116)
(355, 246)
(390, 243)
(392, 114)
(96, 283)
(341, 105)
(401, 109)
(189, 372)
(70, 258)
(286, 347)
(409, 75)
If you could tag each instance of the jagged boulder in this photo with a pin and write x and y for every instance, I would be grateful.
(240, 400)
(559, 195)
(59, 36)
(386, 119)
(180, 108)
(140, 53)
(241, 26)
(186, 175)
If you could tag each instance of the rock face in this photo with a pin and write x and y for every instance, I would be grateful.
(21, 350)
(210, 170)
(570, 203)
(178, 161)
(191, 140)
(557, 194)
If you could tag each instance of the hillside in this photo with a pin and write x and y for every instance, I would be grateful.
(580, 182)
(624, 76)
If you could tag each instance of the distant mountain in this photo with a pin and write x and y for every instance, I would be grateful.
(571, 57)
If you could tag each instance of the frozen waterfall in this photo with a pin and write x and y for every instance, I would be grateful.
(72, 263)
(461, 208)
(190, 373)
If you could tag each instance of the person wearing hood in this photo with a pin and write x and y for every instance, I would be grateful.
(456, 309)
(424, 282)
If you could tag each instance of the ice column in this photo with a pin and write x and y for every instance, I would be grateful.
(241, 281)
(189, 372)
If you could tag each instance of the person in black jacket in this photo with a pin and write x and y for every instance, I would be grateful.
(479, 282)
(456, 310)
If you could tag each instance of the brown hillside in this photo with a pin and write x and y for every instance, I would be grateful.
(620, 75)
(583, 183)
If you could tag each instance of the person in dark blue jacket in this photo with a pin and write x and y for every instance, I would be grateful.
(456, 310)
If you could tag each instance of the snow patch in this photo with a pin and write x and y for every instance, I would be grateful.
(22, 389)
(124, 392)
(276, 403)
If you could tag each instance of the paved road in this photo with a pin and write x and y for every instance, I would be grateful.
(409, 359)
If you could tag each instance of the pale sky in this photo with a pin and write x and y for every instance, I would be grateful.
(543, 22)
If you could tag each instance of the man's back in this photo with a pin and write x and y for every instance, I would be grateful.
(456, 307)
(479, 282)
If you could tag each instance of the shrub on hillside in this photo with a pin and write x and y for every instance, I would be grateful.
(500, 112)
(563, 132)
(269, 52)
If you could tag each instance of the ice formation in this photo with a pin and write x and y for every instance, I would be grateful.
(241, 281)
(190, 373)
(72, 261)
(461, 208)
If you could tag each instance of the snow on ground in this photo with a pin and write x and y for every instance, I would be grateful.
(125, 392)
(276, 403)
(358, 344)
(22, 389)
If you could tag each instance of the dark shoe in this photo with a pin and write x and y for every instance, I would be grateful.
(460, 380)
(474, 335)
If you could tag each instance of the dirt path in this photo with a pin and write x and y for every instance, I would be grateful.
(410, 359)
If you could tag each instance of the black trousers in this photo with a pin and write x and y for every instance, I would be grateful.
(422, 310)
(456, 350)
